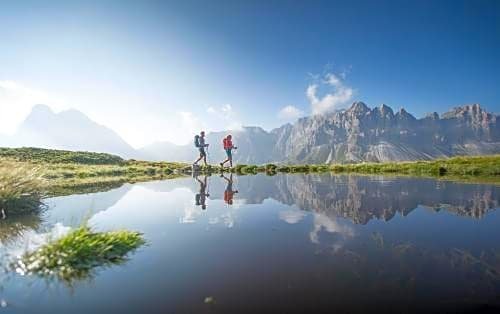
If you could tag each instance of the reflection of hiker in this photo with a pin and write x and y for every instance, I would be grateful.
(228, 147)
(229, 192)
(201, 197)
(199, 142)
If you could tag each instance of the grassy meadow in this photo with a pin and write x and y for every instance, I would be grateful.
(64, 172)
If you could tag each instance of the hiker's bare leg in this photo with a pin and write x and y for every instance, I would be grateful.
(197, 179)
(224, 162)
(225, 178)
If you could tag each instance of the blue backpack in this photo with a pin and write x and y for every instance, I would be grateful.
(196, 141)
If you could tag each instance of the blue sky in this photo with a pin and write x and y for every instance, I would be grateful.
(160, 70)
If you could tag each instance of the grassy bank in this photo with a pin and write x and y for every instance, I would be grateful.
(67, 171)
(480, 167)
(75, 255)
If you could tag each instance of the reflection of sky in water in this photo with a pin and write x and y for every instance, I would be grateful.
(358, 237)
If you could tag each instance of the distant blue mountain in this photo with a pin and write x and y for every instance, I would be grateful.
(70, 130)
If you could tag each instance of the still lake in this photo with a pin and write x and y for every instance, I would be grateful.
(274, 244)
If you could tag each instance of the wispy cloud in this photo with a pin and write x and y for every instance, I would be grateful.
(337, 93)
(290, 113)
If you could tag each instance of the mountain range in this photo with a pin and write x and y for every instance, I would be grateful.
(358, 133)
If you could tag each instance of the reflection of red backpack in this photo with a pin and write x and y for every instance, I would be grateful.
(227, 143)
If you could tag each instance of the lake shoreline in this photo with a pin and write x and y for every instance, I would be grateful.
(65, 171)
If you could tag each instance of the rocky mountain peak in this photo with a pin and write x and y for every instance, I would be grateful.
(384, 111)
(253, 129)
(402, 114)
(465, 111)
(432, 116)
(358, 108)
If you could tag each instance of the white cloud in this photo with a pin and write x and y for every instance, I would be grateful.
(223, 117)
(292, 216)
(185, 124)
(189, 121)
(290, 113)
(323, 222)
(16, 101)
(338, 93)
(225, 111)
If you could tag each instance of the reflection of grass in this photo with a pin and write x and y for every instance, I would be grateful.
(76, 254)
(16, 226)
(21, 188)
(100, 184)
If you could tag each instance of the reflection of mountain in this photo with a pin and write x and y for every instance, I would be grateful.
(362, 198)
(72, 209)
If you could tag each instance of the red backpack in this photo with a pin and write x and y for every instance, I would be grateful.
(227, 143)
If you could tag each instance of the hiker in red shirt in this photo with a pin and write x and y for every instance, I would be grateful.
(229, 192)
(228, 147)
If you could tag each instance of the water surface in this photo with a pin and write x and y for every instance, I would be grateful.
(275, 244)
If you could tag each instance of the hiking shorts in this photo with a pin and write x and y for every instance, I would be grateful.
(202, 152)
(229, 153)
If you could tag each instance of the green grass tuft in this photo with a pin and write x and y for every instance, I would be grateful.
(76, 254)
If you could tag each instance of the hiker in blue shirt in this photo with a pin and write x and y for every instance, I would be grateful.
(199, 142)
(201, 197)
